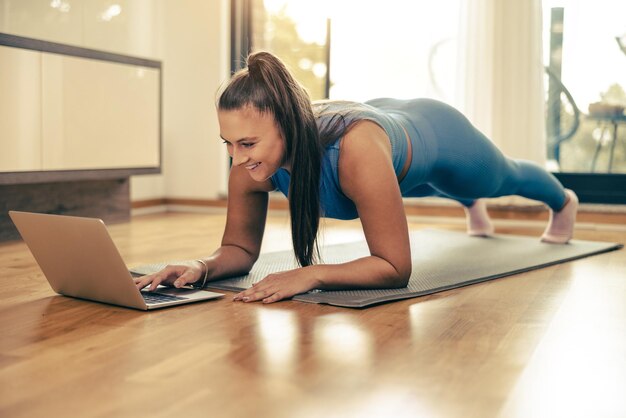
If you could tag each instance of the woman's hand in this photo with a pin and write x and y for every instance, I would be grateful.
(278, 286)
(174, 275)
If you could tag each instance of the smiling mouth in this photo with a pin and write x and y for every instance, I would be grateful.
(253, 166)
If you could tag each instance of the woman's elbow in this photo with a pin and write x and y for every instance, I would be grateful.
(401, 277)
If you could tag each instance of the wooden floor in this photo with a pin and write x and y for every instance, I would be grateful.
(548, 343)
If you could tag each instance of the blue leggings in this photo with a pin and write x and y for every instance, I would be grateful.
(453, 159)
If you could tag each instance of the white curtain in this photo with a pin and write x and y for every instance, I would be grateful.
(500, 79)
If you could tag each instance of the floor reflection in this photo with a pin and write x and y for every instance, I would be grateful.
(278, 338)
(579, 370)
(341, 340)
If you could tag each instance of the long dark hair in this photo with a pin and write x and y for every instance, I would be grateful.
(267, 85)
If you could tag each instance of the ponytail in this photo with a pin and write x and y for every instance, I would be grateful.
(267, 85)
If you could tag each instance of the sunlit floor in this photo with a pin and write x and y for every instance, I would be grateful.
(547, 343)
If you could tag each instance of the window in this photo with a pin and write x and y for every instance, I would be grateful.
(298, 33)
(395, 65)
(585, 51)
(358, 50)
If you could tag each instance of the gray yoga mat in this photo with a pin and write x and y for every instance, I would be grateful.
(442, 260)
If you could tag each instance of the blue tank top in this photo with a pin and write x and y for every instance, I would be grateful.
(333, 203)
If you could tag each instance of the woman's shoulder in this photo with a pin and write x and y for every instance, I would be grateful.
(337, 117)
(365, 150)
(363, 133)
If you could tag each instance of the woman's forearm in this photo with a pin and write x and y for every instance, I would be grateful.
(367, 273)
(228, 261)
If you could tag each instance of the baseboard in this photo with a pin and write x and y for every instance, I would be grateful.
(498, 209)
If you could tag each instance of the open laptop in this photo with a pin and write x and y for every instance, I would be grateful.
(79, 259)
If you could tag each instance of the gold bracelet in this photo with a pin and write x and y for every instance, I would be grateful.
(206, 274)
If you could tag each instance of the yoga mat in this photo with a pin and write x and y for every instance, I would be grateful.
(442, 260)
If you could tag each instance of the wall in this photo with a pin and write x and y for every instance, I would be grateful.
(86, 23)
(194, 46)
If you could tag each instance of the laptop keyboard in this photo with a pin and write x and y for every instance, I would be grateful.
(151, 297)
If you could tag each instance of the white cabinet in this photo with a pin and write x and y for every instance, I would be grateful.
(20, 110)
(98, 114)
(66, 112)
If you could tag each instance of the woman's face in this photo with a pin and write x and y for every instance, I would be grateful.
(253, 140)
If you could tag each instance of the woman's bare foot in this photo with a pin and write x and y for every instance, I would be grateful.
(478, 222)
(561, 226)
